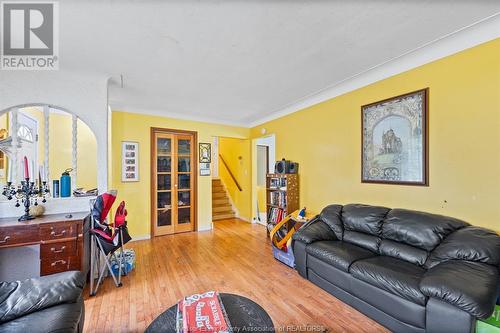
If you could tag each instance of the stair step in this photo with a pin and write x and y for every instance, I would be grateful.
(219, 195)
(221, 204)
(221, 209)
(220, 201)
(223, 216)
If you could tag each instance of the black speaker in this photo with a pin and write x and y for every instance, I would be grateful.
(293, 167)
(282, 166)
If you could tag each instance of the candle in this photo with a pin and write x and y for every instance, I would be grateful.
(9, 176)
(33, 172)
(26, 171)
(42, 173)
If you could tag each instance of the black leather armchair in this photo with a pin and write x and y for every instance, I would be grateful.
(51, 303)
(410, 271)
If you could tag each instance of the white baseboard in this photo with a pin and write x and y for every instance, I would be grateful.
(140, 238)
(263, 219)
(206, 228)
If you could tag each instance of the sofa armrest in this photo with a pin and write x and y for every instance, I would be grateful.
(20, 298)
(315, 230)
(470, 286)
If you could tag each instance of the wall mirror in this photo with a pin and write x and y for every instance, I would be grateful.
(52, 140)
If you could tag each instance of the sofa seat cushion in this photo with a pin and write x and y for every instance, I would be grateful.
(396, 276)
(63, 318)
(337, 253)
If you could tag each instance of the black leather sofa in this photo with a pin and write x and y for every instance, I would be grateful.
(410, 271)
(52, 303)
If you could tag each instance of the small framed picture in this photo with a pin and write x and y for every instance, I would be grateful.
(204, 169)
(205, 153)
(130, 161)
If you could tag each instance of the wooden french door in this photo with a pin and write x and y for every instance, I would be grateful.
(173, 181)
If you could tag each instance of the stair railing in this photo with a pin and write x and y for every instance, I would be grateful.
(230, 173)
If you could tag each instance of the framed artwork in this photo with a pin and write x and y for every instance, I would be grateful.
(205, 153)
(130, 161)
(394, 140)
(204, 169)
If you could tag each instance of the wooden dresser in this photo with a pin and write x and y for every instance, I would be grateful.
(61, 239)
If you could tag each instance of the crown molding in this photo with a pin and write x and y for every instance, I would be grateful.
(124, 108)
(472, 35)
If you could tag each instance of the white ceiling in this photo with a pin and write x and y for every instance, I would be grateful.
(241, 61)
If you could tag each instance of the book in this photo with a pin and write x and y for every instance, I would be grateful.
(202, 313)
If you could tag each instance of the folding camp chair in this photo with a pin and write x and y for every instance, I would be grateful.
(106, 239)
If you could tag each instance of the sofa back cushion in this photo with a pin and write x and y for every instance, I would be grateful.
(363, 225)
(402, 251)
(421, 230)
(332, 216)
(410, 235)
(470, 243)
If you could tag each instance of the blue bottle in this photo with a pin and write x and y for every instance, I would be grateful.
(55, 188)
(66, 184)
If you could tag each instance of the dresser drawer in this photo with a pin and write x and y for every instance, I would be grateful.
(58, 231)
(58, 265)
(18, 235)
(58, 250)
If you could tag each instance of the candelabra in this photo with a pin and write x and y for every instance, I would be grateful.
(27, 193)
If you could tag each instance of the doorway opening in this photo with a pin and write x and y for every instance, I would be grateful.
(265, 156)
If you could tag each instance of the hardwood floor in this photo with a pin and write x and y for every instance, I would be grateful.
(235, 257)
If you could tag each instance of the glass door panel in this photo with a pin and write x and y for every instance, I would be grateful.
(184, 215)
(164, 164)
(164, 200)
(183, 164)
(164, 218)
(184, 181)
(164, 146)
(164, 182)
(184, 147)
(184, 198)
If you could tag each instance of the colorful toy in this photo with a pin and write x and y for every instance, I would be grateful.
(281, 235)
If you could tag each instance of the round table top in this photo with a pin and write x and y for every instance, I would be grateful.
(244, 315)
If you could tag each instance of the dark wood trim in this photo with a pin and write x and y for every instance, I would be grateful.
(425, 130)
(194, 198)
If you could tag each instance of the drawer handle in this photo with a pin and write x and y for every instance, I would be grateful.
(61, 250)
(53, 233)
(5, 240)
(58, 262)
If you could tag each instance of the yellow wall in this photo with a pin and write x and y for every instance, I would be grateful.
(136, 127)
(464, 136)
(231, 150)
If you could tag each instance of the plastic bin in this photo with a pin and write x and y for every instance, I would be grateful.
(491, 324)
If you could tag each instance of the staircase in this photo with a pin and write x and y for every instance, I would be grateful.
(221, 207)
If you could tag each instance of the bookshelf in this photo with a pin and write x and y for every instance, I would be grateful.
(282, 196)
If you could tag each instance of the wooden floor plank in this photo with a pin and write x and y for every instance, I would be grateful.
(235, 257)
